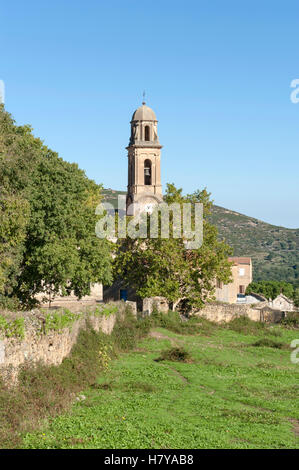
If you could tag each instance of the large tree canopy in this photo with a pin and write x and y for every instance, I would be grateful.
(47, 220)
(163, 266)
(271, 289)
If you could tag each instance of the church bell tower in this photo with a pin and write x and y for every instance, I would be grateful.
(144, 178)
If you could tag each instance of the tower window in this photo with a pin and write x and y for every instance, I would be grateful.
(147, 172)
(147, 133)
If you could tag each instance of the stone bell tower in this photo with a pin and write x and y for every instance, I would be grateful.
(144, 179)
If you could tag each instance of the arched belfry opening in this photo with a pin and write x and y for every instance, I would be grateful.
(147, 133)
(147, 172)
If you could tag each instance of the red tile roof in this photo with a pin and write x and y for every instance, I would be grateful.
(240, 260)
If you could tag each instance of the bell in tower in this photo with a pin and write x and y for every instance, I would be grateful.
(144, 178)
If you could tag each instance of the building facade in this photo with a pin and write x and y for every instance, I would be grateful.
(242, 277)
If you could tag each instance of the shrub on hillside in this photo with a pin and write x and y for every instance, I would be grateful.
(177, 354)
(291, 320)
(269, 343)
(246, 326)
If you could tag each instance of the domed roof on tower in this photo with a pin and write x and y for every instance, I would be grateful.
(144, 113)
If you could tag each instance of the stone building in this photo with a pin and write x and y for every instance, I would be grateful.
(242, 277)
(283, 303)
(95, 296)
(144, 174)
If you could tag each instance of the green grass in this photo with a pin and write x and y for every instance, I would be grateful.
(231, 394)
(11, 328)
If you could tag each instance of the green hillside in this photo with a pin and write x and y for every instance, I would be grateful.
(274, 250)
(111, 195)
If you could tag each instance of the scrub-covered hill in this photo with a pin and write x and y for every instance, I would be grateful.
(274, 250)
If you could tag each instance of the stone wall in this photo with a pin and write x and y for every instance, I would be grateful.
(51, 347)
(160, 303)
(221, 312)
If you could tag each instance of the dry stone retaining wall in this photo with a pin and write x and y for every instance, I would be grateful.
(218, 312)
(49, 347)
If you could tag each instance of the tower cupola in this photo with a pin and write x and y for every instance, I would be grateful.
(144, 126)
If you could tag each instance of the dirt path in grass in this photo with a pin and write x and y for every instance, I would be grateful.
(178, 374)
(160, 336)
(295, 424)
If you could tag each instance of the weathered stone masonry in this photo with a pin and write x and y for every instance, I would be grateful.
(50, 347)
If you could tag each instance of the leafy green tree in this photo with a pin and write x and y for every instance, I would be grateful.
(163, 266)
(14, 207)
(14, 213)
(63, 252)
(271, 289)
(49, 206)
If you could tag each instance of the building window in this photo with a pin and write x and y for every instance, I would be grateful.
(242, 290)
(241, 271)
(147, 133)
(147, 172)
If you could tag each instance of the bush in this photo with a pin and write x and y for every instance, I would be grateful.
(269, 343)
(12, 328)
(246, 326)
(177, 354)
(57, 321)
(291, 320)
(9, 303)
(128, 330)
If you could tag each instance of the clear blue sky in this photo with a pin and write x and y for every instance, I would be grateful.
(217, 74)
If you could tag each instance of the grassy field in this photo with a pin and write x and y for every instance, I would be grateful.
(225, 390)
